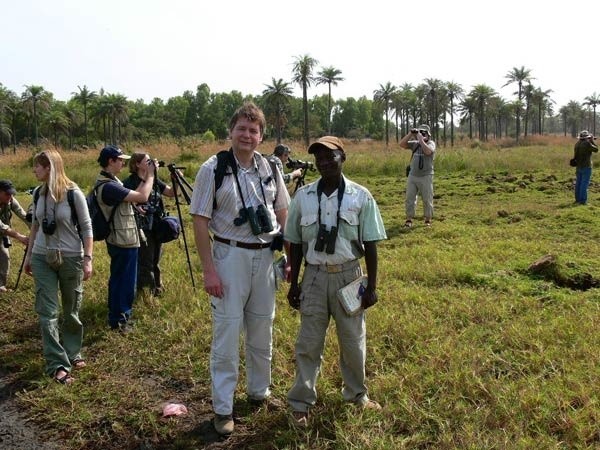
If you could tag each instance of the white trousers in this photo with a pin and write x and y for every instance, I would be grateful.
(248, 307)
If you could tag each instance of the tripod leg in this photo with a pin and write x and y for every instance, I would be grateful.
(20, 269)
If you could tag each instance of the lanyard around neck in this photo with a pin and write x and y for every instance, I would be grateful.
(340, 196)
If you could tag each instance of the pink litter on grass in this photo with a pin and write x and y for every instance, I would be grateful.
(174, 409)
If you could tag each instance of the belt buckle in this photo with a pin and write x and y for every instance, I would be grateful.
(334, 268)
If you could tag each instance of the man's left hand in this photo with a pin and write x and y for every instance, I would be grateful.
(369, 298)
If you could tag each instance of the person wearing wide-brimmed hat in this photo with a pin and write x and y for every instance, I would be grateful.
(584, 147)
(332, 223)
(8, 206)
(420, 174)
(280, 156)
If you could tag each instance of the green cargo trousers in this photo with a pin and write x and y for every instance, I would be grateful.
(69, 279)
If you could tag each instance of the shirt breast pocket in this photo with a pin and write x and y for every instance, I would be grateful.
(308, 226)
(348, 225)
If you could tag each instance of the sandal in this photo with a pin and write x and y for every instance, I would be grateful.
(65, 379)
(78, 363)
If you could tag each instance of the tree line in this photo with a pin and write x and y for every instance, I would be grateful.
(92, 118)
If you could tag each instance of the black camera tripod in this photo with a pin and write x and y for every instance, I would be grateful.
(180, 184)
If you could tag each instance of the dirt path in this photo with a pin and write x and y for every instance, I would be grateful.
(16, 433)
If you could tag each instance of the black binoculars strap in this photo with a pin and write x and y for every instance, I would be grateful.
(340, 196)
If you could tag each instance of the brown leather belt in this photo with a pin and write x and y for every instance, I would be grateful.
(246, 245)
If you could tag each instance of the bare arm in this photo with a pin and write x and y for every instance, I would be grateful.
(212, 282)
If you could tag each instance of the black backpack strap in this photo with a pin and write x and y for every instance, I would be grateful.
(74, 218)
(225, 159)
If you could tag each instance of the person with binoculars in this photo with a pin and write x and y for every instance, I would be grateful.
(419, 172)
(59, 257)
(280, 157)
(8, 206)
(149, 214)
(124, 240)
(331, 224)
(244, 209)
(584, 147)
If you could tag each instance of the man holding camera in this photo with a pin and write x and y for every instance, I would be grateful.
(584, 147)
(124, 240)
(8, 206)
(280, 156)
(244, 209)
(331, 224)
(420, 173)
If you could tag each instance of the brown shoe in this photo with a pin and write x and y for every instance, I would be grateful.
(269, 403)
(223, 424)
(300, 418)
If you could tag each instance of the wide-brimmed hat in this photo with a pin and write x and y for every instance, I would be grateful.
(425, 128)
(281, 150)
(330, 142)
(584, 134)
(8, 187)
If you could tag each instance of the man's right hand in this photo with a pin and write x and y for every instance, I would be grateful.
(297, 173)
(294, 296)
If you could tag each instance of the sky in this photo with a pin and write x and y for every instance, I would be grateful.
(156, 48)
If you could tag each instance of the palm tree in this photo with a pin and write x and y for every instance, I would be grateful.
(56, 119)
(455, 92)
(384, 96)
(482, 93)
(518, 76)
(329, 75)
(32, 96)
(593, 101)
(302, 74)
(84, 96)
(434, 91)
(468, 106)
(277, 98)
(543, 102)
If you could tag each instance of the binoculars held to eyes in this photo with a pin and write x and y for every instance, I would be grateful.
(259, 219)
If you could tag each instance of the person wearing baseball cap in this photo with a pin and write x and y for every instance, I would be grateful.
(584, 147)
(337, 222)
(124, 240)
(8, 206)
(419, 173)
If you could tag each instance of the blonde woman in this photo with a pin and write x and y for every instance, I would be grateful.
(59, 257)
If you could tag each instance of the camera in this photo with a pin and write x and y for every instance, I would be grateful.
(294, 164)
(414, 130)
(259, 219)
(326, 239)
(48, 227)
(161, 164)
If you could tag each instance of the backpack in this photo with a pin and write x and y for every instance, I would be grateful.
(101, 226)
(70, 200)
(226, 159)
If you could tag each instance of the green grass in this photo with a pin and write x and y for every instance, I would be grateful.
(466, 349)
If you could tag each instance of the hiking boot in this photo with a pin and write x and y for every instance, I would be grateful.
(223, 424)
(300, 419)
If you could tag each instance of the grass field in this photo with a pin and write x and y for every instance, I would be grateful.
(467, 349)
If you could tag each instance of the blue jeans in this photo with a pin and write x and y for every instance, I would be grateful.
(121, 284)
(582, 181)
